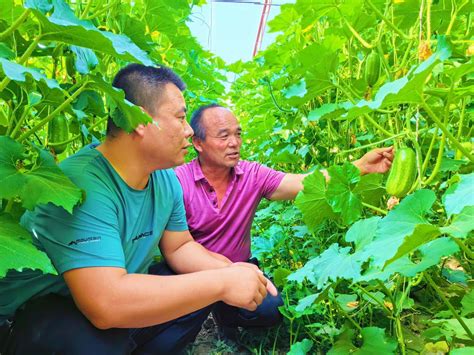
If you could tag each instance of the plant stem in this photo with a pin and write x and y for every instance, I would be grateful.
(22, 59)
(387, 21)
(464, 248)
(449, 305)
(14, 25)
(384, 308)
(20, 122)
(375, 208)
(439, 158)
(454, 15)
(273, 98)
(446, 131)
(428, 153)
(400, 337)
(54, 113)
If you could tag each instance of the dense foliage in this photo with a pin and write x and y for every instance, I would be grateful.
(343, 77)
(358, 274)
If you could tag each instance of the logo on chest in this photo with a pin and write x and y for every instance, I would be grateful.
(142, 235)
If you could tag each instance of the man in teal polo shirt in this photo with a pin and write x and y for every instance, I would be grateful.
(107, 299)
(221, 195)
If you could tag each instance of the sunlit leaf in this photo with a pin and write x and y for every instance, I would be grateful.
(374, 342)
(63, 26)
(312, 200)
(340, 193)
(19, 73)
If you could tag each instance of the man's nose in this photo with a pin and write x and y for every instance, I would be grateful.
(188, 130)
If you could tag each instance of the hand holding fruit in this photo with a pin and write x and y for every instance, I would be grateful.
(376, 161)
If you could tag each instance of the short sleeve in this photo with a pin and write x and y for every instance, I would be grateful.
(268, 180)
(89, 237)
(177, 221)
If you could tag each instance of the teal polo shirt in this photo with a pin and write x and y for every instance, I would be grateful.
(116, 226)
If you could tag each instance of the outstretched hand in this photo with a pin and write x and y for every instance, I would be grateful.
(377, 160)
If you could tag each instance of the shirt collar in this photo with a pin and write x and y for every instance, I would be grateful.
(197, 171)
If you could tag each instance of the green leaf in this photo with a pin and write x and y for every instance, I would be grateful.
(43, 183)
(459, 195)
(422, 234)
(306, 302)
(17, 249)
(462, 223)
(86, 59)
(362, 232)
(64, 27)
(468, 350)
(280, 275)
(298, 89)
(398, 224)
(17, 72)
(430, 254)
(370, 188)
(454, 326)
(312, 200)
(301, 347)
(374, 342)
(6, 52)
(340, 194)
(333, 263)
(125, 114)
(468, 303)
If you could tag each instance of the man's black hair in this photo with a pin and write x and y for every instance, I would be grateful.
(196, 120)
(143, 86)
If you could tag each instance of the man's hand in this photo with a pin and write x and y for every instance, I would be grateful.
(243, 286)
(376, 161)
(269, 285)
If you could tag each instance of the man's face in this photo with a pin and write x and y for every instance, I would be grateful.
(221, 147)
(167, 138)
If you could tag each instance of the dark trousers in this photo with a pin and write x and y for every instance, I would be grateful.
(266, 315)
(53, 324)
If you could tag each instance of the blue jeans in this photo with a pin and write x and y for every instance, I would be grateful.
(52, 324)
(266, 315)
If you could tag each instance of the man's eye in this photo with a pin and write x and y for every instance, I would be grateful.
(224, 137)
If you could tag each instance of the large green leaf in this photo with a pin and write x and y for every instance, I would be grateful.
(362, 232)
(459, 195)
(333, 263)
(430, 254)
(312, 200)
(422, 234)
(398, 224)
(18, 251)
(340, 193)
(41, 183)
(374, 342)
(63, 26)
(462, 223)
(17, 72)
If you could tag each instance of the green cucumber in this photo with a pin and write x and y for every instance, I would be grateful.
(58, 132)
(402, 173)
(372, 68)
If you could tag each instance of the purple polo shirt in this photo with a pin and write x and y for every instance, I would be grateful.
(226, 230)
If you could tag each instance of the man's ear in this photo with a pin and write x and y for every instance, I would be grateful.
(197, 143)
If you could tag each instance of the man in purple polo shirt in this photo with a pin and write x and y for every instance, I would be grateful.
(221, 195)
